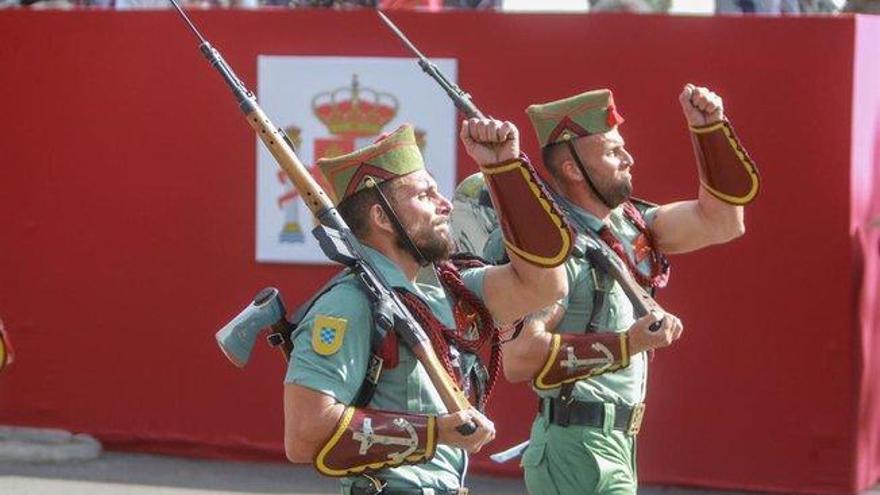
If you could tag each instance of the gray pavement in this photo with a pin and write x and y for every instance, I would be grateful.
(141, 474)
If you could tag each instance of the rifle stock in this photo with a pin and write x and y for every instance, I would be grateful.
(335, 237)
(594, 249)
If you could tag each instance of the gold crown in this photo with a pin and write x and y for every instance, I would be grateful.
(354, 111)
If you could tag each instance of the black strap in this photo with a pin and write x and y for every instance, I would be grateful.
(565, 392)
(584, 413)
(395, 221)
(577, 160)
(479, 378)
(601, 287)
(601, 282)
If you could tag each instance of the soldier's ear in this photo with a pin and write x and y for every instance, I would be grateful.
(571, 172)
(379, 220)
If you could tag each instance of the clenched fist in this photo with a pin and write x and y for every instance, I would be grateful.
(490, 141)
(700, 105)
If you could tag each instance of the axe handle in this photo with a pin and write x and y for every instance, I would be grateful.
(285, 329)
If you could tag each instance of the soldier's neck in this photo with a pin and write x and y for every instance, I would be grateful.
(400, 257)
(580, 195)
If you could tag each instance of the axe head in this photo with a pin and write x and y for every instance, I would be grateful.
(237, 338)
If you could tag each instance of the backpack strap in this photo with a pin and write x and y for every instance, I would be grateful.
(377, 337)
(602, 282)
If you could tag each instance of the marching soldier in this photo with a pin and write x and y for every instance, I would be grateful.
(586, 354)
(359, 404)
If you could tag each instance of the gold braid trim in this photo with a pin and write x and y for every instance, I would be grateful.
(546, 205)
(342, 429)
(541, 383)
(743, 157)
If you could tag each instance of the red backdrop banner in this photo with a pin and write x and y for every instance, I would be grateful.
(127, 227)
(864, 230)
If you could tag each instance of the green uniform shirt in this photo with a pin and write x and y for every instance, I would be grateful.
(625, 386)
(406, 387)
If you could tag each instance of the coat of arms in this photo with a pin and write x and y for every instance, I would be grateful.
(354, 117)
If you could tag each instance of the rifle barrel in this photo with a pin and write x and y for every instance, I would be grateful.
(192, 27)
(400, 35)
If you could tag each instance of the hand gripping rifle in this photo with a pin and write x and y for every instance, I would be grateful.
(588, 244)
(336, 238)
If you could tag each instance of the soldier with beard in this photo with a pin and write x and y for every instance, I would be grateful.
(358, 404)
(586, 354)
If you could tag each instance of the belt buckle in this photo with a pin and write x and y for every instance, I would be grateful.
(635, 419)
(463, 491)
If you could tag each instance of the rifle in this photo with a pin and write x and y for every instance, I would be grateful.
(589, 244)
(461, 99)
(335, 237)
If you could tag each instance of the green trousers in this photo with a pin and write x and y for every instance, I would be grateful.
(579, 460)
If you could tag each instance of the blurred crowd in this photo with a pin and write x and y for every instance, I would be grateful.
(338, 4)
(767, 7)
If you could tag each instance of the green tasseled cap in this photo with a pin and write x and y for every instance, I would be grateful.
(581, 115)
(394, 155)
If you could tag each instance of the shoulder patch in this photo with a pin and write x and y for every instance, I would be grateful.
(327, 334)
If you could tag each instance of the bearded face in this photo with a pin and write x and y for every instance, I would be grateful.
(608, 164)
(433, 240)
(615, 190)
(425, 214)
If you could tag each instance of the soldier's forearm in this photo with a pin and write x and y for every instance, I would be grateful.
(723, 222)
(526, 354)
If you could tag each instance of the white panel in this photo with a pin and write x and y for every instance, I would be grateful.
(286, 87)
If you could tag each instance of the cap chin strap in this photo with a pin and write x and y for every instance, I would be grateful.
(395, 221)
(580, 164)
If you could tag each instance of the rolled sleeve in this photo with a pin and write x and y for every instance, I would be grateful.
(473, 279)
(650, 214)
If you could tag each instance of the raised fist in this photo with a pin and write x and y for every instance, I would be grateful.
(490, 141)
(700, 105)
